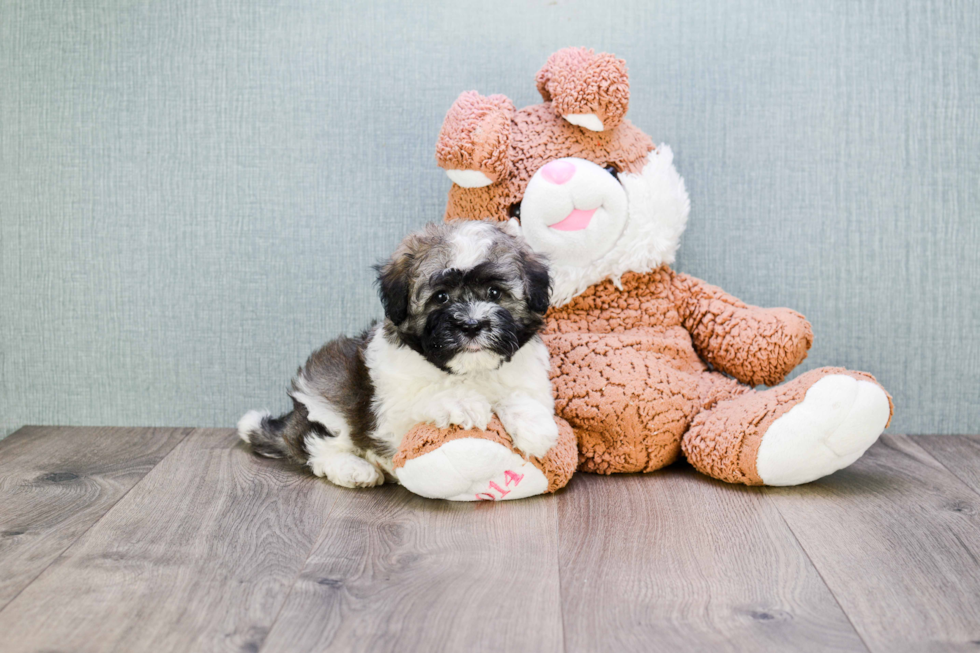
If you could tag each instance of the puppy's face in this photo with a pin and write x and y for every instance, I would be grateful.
(465, 295)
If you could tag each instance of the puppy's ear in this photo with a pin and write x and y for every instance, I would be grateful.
(393, 286)
(537, 282)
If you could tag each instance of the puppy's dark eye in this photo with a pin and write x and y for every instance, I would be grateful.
(515, 211)
(613, 170)
(493, 294)
(442, 297)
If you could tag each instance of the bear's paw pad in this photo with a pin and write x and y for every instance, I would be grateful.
(838, 419)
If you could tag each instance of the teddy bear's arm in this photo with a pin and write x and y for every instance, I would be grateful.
(755, 345)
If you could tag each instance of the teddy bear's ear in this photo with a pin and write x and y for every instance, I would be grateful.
(474, 143)
(586, 89)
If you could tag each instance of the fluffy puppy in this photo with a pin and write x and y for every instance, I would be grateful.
(463, 304)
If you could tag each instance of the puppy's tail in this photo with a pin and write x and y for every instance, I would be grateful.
(264, 433)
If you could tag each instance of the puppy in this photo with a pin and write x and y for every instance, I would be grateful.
(463, 305)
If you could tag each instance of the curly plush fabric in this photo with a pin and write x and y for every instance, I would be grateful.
(754, 345)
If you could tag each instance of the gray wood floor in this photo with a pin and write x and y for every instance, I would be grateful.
(115, 539)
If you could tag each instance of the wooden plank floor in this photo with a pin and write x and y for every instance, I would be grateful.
(181, 540)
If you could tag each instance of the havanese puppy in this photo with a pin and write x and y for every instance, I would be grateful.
(463, 305)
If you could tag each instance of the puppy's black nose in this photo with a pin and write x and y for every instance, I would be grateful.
(469, 325)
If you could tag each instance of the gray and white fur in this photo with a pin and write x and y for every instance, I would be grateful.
(463, 302)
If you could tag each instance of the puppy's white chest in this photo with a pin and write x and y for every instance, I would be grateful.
(409, 390)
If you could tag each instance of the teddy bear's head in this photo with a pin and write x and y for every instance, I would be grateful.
(582, 184)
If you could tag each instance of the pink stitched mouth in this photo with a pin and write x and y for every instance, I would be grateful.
(576, 220)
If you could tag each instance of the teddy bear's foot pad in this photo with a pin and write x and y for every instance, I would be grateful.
(472, 469)
(834, 424)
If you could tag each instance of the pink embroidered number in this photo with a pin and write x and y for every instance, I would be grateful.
(510, 479)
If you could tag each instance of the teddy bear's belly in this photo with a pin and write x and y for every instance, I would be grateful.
(631, 396)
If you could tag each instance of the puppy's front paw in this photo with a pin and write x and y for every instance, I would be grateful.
(469, 411)
(535, 437)
(530, 425)
(346, 470)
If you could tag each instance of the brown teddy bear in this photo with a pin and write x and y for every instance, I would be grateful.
(647, 362)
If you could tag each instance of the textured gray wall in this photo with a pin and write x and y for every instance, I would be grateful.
(191, 192)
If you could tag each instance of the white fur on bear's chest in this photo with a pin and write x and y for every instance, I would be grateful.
(404, 383)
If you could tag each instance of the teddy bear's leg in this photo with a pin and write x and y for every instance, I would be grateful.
(820, 422)
(474, 465)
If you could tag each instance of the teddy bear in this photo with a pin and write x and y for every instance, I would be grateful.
(648, 363)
